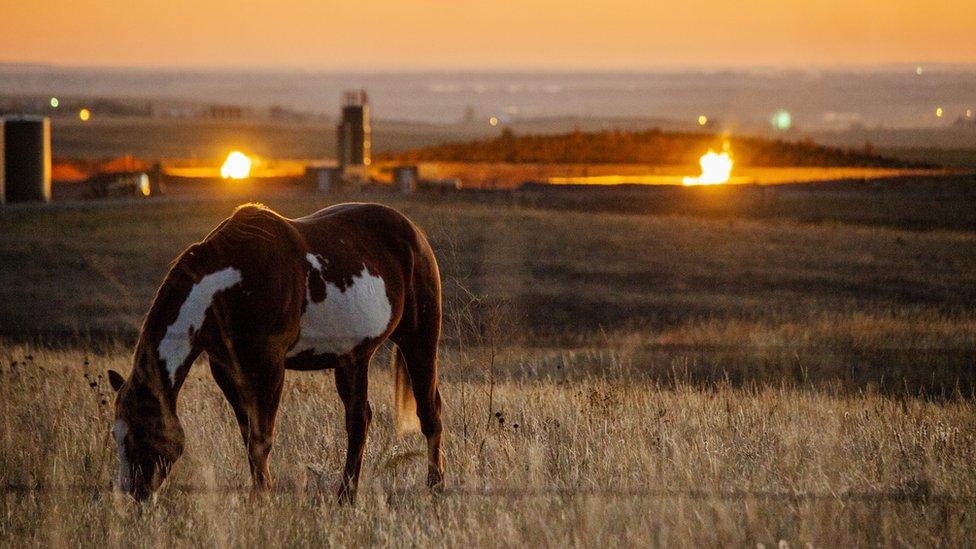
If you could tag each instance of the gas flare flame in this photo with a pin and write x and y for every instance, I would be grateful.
(237, 166)
(716, 168)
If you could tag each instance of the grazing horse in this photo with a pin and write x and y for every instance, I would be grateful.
(263, 294)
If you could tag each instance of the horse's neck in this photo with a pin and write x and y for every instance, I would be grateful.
(172, 333)
(165, 345)
(148, 380)
(162, 369)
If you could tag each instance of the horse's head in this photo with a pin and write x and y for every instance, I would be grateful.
(148, 437)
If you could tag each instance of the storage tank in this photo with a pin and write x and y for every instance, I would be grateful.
(405, 179)
(327, 179)
(27, 158)
(3, 168)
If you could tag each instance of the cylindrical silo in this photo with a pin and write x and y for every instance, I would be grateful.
(3, 168)
(27, 158)
(405, 179)
(325, 179)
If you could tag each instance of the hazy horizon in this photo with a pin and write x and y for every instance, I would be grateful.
(822, 99)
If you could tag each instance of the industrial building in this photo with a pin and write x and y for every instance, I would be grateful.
(353, 136)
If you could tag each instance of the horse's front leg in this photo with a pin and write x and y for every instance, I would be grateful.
(352, 384)
(254, 393)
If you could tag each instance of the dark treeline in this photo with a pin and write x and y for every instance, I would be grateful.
(647, 147)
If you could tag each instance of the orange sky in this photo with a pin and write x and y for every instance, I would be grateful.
(408, 34)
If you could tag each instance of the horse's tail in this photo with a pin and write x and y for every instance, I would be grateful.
(404, 403)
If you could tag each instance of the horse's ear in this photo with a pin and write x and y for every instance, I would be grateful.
(116, 380)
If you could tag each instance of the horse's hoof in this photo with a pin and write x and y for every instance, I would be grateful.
(435, 483)
(346, 496)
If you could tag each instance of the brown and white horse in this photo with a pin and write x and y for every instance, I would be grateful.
(262, 294)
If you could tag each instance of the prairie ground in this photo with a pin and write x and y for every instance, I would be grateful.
(609, 379)
(586, 462)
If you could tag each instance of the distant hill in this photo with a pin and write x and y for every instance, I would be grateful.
(644, 147)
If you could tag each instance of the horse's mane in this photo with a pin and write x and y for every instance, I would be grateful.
(249, 228)
(249, 221)
(251, 224)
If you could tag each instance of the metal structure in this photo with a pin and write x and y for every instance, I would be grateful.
(27, 158)
(353, 135)
(405, 179)
(125, 184)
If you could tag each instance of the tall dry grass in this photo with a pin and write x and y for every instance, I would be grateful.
(588, 461)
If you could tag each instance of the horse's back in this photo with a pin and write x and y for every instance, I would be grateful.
(374, 232)
(365, 262)
(365, 219)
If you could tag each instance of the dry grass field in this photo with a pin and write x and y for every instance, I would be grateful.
(642, 380)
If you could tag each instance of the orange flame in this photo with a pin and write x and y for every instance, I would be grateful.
(716, 168)
(237, 166)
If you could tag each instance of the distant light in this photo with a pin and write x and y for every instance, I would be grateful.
(144, 187)
(84, 115)
(237, 166)
(918, 70)
(782, 120)
(969, 113)
(702, 120)
(493, 121)
(55, 102)
(939, 112)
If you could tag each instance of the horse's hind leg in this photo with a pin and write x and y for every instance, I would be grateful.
(352, 384)
(420, 351)
(254, 394)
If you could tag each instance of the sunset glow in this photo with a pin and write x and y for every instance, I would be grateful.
(479, 34)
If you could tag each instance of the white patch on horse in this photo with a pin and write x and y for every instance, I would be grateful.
(176, 345)
(343, 319)
(313, 260)
(124, 473)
